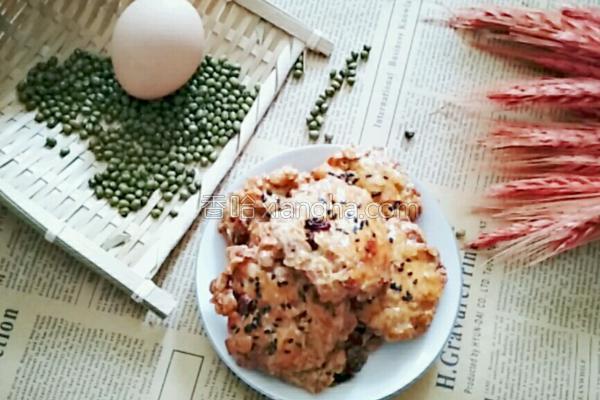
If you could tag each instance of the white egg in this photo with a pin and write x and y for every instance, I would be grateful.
(157, 46)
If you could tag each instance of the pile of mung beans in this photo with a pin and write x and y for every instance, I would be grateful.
(314, 122)
(144, 145)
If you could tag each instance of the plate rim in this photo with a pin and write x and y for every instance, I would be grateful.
(230, 362)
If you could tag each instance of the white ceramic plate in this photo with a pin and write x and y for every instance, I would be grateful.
(388, 370)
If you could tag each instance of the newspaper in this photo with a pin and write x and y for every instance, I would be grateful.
(521, 333)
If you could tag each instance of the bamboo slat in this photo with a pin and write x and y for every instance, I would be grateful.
(52, 194)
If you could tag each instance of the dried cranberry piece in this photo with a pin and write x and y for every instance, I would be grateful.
(317, 224)
(246, 305)
(313, 245)
(241, 236)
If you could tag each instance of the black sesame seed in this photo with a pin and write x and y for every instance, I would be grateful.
(317, 224)
(272, 347)
(302, 294)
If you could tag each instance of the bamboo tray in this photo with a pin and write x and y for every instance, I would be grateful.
(52, 193)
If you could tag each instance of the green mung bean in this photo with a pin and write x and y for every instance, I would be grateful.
(188, 126)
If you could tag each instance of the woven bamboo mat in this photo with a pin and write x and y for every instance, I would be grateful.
(52, 193)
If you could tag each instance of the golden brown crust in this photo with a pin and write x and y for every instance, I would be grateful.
(276, 322)
(385, 181)
(317, 276)
(342, 255)
(407, 305)
(253, 202)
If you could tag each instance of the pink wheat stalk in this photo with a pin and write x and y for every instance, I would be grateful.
(591, 14)
(541, 239)
(546, 29)
(560, 137)
(555, 206)
(566, 64)
(570, 93)
(553, 164)
(545, 209)
(508, 233)
(548, 187)
(593, 114)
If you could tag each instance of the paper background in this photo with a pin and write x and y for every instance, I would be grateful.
(522, 333)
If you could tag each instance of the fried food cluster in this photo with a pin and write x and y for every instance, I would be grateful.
(323, 267)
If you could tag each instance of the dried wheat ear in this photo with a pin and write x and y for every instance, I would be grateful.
(552, 203)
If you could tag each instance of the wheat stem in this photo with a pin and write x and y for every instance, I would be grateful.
(573, 93)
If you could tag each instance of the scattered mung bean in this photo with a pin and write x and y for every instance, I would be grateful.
(146, 145)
